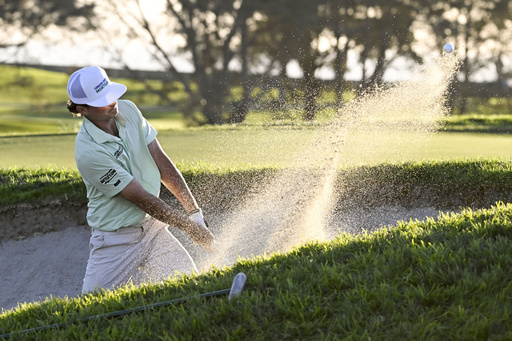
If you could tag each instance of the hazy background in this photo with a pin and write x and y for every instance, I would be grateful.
(291, 50)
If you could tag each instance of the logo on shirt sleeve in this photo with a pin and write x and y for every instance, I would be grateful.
(105, 179)
(118, 152)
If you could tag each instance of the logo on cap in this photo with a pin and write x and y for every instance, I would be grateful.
(101, 86)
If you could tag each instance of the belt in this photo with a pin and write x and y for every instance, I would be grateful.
(126, 228)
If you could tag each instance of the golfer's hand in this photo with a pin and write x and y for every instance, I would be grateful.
(202, 237)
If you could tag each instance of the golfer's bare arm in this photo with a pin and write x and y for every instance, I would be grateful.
(173, 180)
(172, 177)
(155, 207)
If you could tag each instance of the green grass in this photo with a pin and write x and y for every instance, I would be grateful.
(445, 279)
(443, 184)
(487, 123)
(437, 279)
(263, 146)
(33, 101)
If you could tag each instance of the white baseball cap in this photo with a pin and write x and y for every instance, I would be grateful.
(91, 86)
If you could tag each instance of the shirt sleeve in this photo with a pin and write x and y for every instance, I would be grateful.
(147, 129)
(103, 172)
(149, 132)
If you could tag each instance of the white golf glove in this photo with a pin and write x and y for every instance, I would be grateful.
(197, 217)
(203, 238)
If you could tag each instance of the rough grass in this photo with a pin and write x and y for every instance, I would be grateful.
(444, 184)
(442, 279)
(21, 185)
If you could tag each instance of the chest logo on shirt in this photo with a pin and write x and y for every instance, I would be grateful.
(105, 179)
(118, 152)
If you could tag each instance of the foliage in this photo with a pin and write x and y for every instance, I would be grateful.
(28, 18)
(252, 44)
(37, 185)
(436, 279)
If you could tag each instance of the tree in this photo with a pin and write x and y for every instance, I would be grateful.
(344, 26)
(274, 42)
(21, 20)
(387, 35)
(467, 23)
(302, 28)
(223, 40)
(500, 31)
(211, 34)
(291, 31)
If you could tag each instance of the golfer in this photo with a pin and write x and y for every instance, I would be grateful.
(123, 165)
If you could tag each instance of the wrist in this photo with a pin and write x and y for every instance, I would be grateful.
(197, 217)
(194, 211)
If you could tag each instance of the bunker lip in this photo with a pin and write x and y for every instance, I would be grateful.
(21, 221)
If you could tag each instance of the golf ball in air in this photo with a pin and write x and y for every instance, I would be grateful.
(448, 48)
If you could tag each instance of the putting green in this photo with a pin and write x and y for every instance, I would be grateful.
(270, 146)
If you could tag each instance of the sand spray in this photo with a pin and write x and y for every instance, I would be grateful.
(295, 205)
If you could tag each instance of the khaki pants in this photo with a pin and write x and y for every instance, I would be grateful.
(134, 254)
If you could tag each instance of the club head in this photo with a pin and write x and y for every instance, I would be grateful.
(238, 285)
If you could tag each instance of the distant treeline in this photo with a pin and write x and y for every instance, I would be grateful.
(482, 90)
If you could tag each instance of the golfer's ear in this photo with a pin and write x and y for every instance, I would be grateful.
(82, 110)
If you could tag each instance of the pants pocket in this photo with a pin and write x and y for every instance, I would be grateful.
(96, 242)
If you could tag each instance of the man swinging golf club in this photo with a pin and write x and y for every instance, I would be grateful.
(123, 165)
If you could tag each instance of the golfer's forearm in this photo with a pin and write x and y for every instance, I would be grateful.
(154, 206)
(178, 187)
(172, 177)
(159, 210)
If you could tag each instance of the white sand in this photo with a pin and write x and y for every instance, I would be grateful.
(50, 264)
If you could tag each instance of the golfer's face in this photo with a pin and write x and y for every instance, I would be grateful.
(108, 111)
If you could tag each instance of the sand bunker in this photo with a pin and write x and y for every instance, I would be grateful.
(53, 264)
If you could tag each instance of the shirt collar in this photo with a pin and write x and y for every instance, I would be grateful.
(98, 135)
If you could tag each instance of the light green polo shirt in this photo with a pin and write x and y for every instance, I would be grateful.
(108, 163)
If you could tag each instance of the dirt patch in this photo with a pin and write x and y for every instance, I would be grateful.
(26, 220)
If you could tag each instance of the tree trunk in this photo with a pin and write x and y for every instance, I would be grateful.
(213, 97)
(310, 95)
(281, 85)
(241, 108)
(212, 110)
(340, 63)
